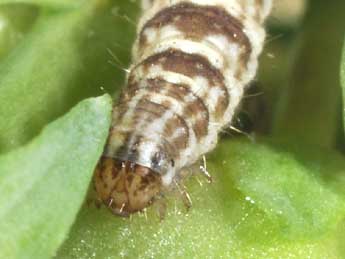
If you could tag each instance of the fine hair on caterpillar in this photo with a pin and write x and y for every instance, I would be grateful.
(191, 62)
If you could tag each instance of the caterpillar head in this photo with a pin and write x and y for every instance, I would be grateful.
(126, 187)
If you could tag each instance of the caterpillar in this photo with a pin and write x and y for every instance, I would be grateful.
(191, 62)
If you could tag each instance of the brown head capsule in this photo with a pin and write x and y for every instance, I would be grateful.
(126, 187)
(191, 62)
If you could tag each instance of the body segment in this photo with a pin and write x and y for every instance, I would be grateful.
(191, 63)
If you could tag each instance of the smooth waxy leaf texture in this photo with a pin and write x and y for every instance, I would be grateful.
(43, 184)
(263, 203)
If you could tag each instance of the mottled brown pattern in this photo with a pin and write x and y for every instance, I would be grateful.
(159, 127)
(147, 109)
(190, 65)
(170, 127)
(144, 108)
(192, 109)
(124, 186)
(151, 111)
(180, 93)
(154, 110)
(197, 22)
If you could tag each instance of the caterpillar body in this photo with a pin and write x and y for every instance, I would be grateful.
(191, 62)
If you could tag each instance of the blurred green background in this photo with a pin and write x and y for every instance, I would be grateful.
(278, 193)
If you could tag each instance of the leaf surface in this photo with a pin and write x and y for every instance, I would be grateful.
(263, 203)
(43, 184)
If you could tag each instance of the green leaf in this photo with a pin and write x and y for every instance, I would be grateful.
(43, 184)
(15, 21)
(263, 203)
(288, 184)
(63, 59)
(32, 74)
(342, 81)
(48, 3)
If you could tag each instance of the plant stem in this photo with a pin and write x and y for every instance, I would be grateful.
(309, 107)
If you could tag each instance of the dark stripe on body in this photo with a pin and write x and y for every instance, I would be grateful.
(197, 22)
(191, 65)
(144, 110)
(180, 92)
(151, 112)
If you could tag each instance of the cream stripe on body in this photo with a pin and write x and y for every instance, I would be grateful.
(233, 55)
